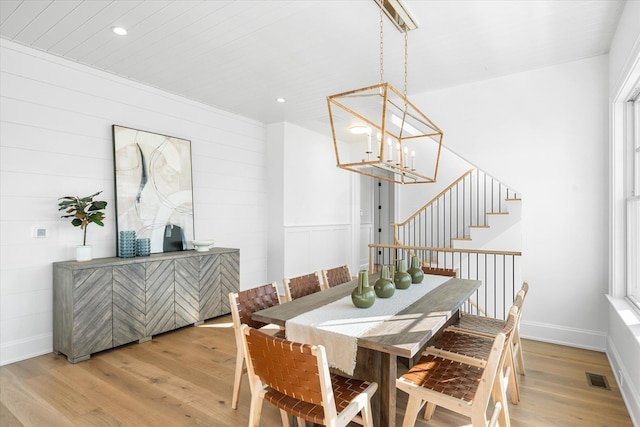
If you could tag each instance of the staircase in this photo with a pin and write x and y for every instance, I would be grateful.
(475, 212)
(502, 230)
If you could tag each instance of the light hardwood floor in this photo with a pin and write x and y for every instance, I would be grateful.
(185, 378)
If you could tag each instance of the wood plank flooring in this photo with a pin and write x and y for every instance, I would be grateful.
(185, 378)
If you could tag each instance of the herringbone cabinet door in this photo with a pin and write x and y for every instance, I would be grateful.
(229, 278)
(91, 311)
(209, 289)
(129, 306)
(160, 280)
(187, 304)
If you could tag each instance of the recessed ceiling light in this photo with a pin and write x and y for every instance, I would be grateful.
(119, 31)
(281, 100)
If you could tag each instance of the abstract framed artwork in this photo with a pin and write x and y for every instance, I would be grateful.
(154, 191)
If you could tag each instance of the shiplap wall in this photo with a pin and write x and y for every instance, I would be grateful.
(56, 140)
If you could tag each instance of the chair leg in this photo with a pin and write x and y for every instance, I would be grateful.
(284, 416)
(367, 416)
(499, 394)
(518, 352)
(411, 413)
(237, 378)
(301, 422)
(429, 410)
(256, 408)
(514, 387)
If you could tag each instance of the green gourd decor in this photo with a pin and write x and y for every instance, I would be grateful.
(401, 278)
(363, 296)
(384, 286)
(416, 270)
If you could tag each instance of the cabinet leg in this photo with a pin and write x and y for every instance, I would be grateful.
(78, 359)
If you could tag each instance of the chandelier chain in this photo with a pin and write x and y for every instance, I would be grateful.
(406, 63)
(381, 47)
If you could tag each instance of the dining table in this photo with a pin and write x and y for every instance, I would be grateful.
(401, 334)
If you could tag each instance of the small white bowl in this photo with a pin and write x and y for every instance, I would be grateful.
(202, 245)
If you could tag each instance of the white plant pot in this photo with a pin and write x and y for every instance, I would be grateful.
(83, 253)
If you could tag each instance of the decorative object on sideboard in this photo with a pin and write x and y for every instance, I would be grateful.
(153, 188)
(143, 246)
(127, 247)
(202, 245)
(83, 211)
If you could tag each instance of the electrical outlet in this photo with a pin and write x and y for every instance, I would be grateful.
(620, 378)
(39, 232)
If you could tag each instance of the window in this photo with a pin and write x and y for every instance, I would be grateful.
(633, 203)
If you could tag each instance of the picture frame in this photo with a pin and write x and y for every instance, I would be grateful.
(153, 188)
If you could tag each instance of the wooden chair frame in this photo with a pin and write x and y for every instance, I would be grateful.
(300, 286)
(242, 305)
(475, 349)
(488, 326)
(295, 378)
(490, 385)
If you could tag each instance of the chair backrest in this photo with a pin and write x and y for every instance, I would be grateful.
(450, 272)
(245, 303)
(299, 371)
(336, 276)
(297, 287)
(495, 363)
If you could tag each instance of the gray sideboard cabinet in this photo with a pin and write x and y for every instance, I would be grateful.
(108, 302)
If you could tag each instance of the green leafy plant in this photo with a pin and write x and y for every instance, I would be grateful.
(83, 210)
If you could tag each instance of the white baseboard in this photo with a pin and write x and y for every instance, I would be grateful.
(573, 337)
(16, 351)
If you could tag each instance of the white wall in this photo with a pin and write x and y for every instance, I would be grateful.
(55, 132)
(316, 228)
(623, 342)
(544, 132)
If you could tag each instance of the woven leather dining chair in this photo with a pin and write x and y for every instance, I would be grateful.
(475, 349)
(243, 304)
(460, 387)
(300, 286)
(295, 378)
(336, 276)
(450, 272)
(489, 327)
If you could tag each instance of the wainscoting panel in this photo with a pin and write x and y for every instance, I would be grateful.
(313, 248)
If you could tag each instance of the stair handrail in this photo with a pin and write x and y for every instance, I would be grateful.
(432, 201)
(460, 194)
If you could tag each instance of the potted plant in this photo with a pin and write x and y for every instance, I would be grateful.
(84, 211)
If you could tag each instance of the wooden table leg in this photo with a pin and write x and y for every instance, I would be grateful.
(380, 367)
(387, 389)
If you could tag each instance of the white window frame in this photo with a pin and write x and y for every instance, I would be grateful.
(624, 203)
(632, 255)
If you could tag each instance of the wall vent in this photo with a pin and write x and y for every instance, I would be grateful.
(596, 380)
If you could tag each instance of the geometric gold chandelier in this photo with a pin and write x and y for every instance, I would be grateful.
(378, 132)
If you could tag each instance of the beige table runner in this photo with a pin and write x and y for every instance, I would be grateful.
(338, 325)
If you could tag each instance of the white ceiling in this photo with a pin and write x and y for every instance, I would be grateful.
(241, 55)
